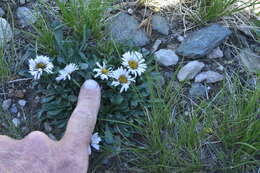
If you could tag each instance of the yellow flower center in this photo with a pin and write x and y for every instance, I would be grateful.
(122, 79)
(133, 64)
(41, 65)
(105, 71)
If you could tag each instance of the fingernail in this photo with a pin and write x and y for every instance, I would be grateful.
(90, 84)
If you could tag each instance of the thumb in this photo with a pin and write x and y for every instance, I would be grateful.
(83, 119)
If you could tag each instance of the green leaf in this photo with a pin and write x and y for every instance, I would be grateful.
(108, 136)
(117, 99)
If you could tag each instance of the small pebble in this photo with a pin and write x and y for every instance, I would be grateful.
(14, 109)
(130, 11)
(6, 104)
(156, 45)
(180, 38)
(22, 103)
(16, 122)
(220, 68)
(2, 12)
(47, 127)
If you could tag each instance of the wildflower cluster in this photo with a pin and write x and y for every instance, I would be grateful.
(133, 65)
(43, 64)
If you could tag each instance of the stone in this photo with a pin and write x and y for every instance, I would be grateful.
(26, 16)
(246, 29)
(19, 94)
(160, 25)
(156, 45)
(6, 104)
(130, 11)
(2, 12)
(22, 2)
(216, 53)
(6, 33)
(202, 42)
(125, 29)
(250, 60)
(13, 109)
(180, 38)
(198, 90)
(158, 77)
(190, 70)
(22, 102)
(47, 127)
(52, 137)
(209, 77)
(221, 68)
(16, 122)
(166, 57)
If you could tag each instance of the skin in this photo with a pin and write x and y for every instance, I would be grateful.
(37, 153)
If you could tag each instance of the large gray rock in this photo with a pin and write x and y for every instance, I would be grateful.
(160, 25)
(166, 57)
(190, 70)
(26, 16)
(125, 29)
(202, 42)
(209, 77)
(6, 33)
(250, 60)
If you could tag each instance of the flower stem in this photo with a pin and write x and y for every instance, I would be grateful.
(76, 83)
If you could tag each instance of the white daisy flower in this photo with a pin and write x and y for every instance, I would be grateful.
(102, 71)
(122, 78)
(66, 72)
(135, 63)
(38, 65)
(95, 139)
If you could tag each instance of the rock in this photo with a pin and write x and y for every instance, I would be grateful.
(2, 12)
(16, 122)
(156, 45)
(22, 102)
(6, 104)
(221, 68)
(52, 137)
(19, 94)
(216, 53)
(209, 77)
(22, 2)
(130, 11)
(198, 90)
(202, 42)
(166, 57)
(190, 70)
(13, 109)
(246, 29)
(47, 127)
(125, 29)
(253, 82)
(26, 16)
(250, 60)
(157, 77)
(6, 33)
(160, 25)
(180, 38)
(25, 130)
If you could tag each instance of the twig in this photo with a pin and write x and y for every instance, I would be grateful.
(19, 80)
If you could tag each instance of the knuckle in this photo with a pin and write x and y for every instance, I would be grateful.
(36, 134)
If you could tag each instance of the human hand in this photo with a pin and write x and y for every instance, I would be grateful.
(36, 153)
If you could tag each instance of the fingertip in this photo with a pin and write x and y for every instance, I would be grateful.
(90, 84)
